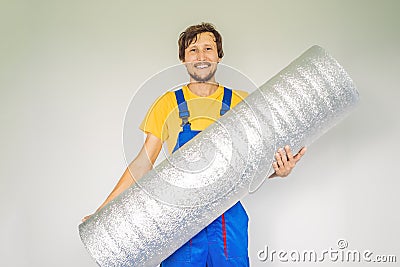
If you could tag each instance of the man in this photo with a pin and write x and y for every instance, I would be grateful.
(178, 116)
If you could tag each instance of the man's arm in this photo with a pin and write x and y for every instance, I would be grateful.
(137, 168)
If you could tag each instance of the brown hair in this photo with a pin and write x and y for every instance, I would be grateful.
(190, 35)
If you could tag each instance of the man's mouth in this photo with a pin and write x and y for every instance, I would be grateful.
(202, 65)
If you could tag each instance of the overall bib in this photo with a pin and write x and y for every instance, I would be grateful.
(224, 242)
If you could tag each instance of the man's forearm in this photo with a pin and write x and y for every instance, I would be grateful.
(134, 172)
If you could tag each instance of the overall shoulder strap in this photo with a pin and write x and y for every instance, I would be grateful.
(184, 113)
(226, 101)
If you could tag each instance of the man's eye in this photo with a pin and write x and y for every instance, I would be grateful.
(209, 48)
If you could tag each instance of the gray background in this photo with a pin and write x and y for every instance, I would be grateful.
(69, 69)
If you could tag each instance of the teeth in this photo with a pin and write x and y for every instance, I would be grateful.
(202, 66)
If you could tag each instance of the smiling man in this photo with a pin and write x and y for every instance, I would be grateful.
(175, 118)
(200, 57)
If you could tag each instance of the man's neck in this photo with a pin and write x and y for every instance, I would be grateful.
(203, 88)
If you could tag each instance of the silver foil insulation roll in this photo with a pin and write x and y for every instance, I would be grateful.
(208, 175)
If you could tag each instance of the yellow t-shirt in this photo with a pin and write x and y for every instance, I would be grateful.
(162, 119)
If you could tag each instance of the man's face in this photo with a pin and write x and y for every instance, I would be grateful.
(201, 58)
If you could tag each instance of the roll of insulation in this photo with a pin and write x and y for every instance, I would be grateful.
(208, 175)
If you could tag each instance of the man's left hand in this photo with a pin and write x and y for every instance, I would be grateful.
(285, 161)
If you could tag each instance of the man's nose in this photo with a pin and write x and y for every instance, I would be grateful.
(201, 56)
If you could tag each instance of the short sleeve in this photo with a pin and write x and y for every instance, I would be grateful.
(238, 96)
(154, 121)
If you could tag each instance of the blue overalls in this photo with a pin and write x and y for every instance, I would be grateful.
(224, 242)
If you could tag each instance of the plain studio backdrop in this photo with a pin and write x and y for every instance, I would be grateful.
(69, 70)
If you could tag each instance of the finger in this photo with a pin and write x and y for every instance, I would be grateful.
(85, 218)
(289, 153)
(275, 166)
(279, 160)
(283, 155)
(301, 153)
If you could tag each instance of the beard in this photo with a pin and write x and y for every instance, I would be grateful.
(201, 75)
